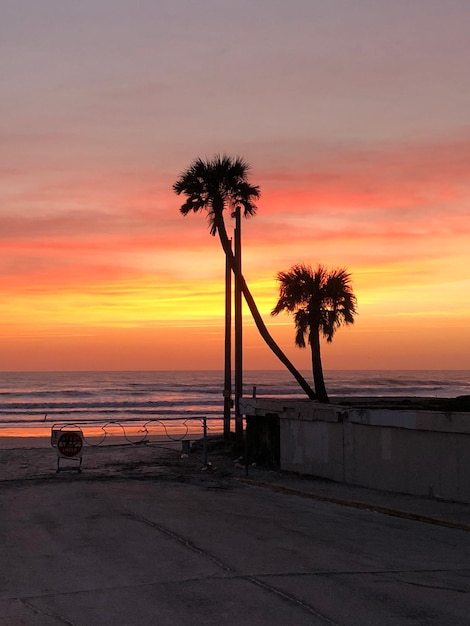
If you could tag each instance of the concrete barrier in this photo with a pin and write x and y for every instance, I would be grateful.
(405, 451)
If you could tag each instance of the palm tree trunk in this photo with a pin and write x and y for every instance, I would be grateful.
(228, 352)
(261, 326)
(317, 368)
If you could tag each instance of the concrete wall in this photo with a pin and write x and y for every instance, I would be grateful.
(416, 452)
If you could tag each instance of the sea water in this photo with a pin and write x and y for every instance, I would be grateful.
(27, 398)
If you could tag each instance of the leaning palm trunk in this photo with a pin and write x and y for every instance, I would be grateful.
(260, 325)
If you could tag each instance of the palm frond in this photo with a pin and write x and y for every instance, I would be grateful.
(301, 327)
(216, 184)
(323, 297)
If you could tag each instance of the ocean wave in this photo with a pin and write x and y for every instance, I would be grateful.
(40, 407)
(113, 395)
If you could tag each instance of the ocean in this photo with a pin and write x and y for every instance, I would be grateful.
(39, 399)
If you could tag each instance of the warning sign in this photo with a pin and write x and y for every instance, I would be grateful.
(70, 443)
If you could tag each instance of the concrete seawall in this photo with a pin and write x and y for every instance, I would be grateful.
(413, 451)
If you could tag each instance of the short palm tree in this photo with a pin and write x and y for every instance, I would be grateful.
(215, 185)
(321, 302)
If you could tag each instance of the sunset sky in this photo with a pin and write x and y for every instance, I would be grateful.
(355, 118)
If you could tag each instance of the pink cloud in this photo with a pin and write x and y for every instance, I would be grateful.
(388, 176)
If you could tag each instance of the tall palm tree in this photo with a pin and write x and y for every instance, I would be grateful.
(222, 183)
(321, 302)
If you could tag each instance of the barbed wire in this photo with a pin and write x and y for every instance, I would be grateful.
(164, 424)
(143, 429)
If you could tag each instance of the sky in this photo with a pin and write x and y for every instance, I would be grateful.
(354, 117)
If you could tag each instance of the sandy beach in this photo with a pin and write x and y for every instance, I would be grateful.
(34, 458)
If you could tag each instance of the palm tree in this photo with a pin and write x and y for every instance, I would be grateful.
(215, 185)
(321, 302)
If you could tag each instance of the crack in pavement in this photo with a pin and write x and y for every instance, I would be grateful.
(179, 538)
(371, 572)
(38, 611)
(425, 585)
(290, 598)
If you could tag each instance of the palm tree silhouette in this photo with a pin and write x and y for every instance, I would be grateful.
(321, 302)
(217, 184)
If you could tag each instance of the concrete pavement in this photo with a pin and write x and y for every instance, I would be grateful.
(132, 544)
